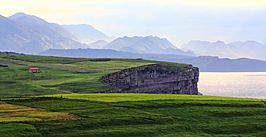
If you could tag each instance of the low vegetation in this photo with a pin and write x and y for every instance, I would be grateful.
(56, 102)
(16, 113)
(58, 75)
(139, 115)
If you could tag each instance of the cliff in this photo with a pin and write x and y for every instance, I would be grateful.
(155, 78)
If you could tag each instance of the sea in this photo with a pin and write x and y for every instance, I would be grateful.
(233, 84)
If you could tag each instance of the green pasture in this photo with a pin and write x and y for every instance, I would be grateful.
(146, 115)
(68, 99)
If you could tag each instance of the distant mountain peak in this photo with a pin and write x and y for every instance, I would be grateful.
(252, 42)
(86, 33)
(220, 42)
(151, 36)
(20, 15)
(23, 17)
(31, 34)
(237, 49)
(145, 44)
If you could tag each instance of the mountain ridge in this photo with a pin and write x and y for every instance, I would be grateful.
(205, 63)
(147, 44)
(30, 34)
(237, 49)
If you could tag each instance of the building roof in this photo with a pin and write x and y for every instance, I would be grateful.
(34, 69)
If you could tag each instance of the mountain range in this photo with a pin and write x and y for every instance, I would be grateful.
(148, 44)
(30, 34)
(110, 53)
(205, 63)
(234, 50)
(216, 64)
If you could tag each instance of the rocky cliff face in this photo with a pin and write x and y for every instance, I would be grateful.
(155, 78)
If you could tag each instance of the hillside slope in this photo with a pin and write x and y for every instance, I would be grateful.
(58, 74)
(56, 102)
(142, 115)
(31, 34)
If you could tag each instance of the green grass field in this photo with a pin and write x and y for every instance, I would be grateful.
(68, 99)
(138, 115)
(14, 113)
(58, 75)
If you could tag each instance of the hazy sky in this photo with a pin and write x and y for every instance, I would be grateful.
(178, 20)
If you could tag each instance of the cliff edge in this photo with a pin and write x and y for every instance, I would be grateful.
(155, 78)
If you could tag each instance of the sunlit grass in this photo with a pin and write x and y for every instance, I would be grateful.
(137, 115)
(118, 97)
(16, 113)
(58, 75)
(61, 75)
(35, 106)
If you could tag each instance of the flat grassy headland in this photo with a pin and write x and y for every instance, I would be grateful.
(68, 99)
(58, 75)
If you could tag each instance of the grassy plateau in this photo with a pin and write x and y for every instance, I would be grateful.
(68, 99)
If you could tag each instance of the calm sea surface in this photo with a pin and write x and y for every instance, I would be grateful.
(234, 84)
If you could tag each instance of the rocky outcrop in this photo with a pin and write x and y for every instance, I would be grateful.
(155, 78)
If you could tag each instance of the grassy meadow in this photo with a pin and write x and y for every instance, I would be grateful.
(16, 113)
(145, 115)
(68, 99)
(58, 75)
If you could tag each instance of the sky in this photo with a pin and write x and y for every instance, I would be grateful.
(178, 20)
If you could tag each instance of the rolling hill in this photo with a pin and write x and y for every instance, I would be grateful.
(81, 75)
(61, 101)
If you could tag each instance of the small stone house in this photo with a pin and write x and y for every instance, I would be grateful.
(34, 70)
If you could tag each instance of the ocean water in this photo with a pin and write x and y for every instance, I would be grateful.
(233, 84)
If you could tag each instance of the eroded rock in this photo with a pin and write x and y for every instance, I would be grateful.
(155, 78)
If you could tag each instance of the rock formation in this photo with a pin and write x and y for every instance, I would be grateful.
(155, 78)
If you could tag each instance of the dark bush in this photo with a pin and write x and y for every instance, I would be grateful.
(100, 59)
(3, 65)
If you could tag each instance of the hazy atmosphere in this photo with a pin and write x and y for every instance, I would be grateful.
(132, 68)
(178, 20)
